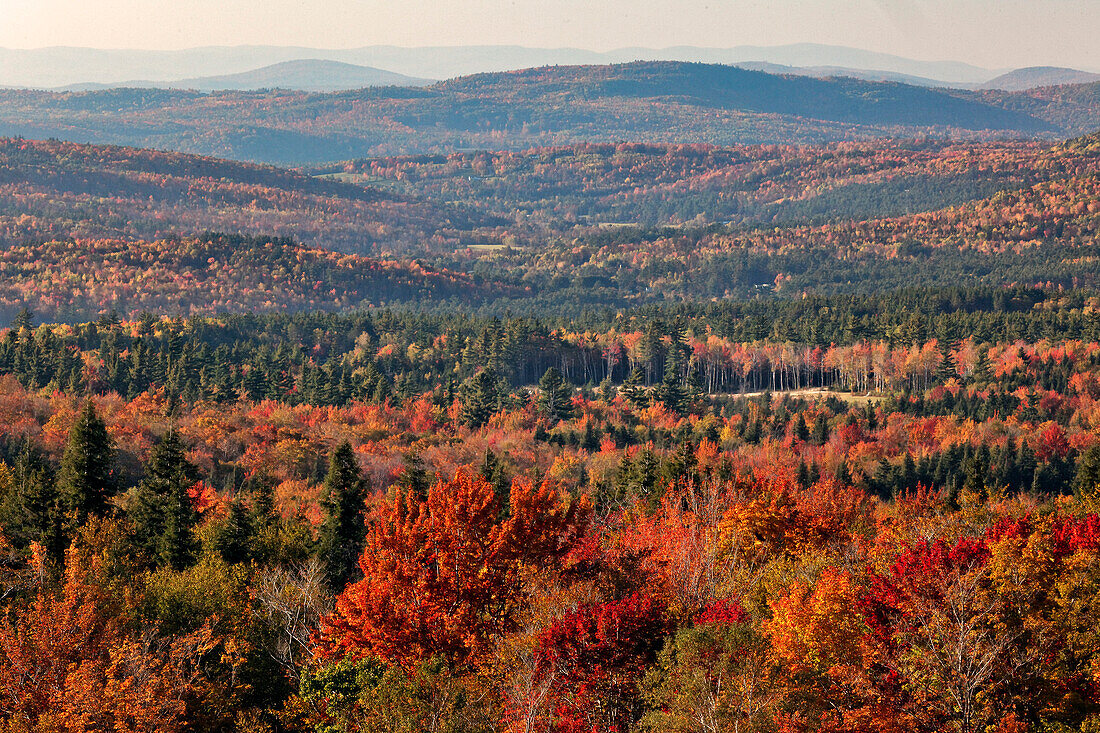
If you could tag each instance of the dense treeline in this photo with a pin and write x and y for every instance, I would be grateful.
(894, 341)
(478, 555)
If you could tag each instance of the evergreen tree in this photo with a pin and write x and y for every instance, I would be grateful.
(235, 536)
(492, 470)
(24, 319)
(85, 482)
(555, 396)
(414, 476)
(479, 399)
(161, 512)
(1087, 481)
(671, 391)
(634, 389)
(343, 532)
(32, 511)
(800, 431)
(820, 431)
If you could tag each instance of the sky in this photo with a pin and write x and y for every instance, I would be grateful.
(990, 33)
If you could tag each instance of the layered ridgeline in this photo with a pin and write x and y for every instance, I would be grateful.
(54, 189)
(89, 229)
(661, 102)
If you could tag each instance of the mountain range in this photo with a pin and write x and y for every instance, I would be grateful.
(307, 75)
(56, 67)
(660, 102)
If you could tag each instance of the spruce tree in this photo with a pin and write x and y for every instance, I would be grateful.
(634, 389)
(84, 481)
(479, 399)
(234, 539)
(161, 512)
(555, 396)
(343, 532)
(1086, 483)
(31, 511)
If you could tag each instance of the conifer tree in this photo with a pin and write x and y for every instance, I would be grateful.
(555, 400)
(479, 399)
(31, 510)
(235, 536)
(344, 530)
(634, 389)
(85, 482)
(161, 511)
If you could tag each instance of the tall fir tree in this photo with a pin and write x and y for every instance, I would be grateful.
(84, 481)
(555, 396)
(480, 399)
(344, 531)
(161, 511)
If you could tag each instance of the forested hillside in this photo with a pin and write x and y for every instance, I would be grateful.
(655, 102)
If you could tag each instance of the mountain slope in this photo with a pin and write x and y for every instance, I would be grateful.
(81, 279)
(659, 102)
(1039, 76)
(56, 190)
(728, 87)
(306, 75)
(64, 67)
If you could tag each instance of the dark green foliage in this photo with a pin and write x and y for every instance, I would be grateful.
(555, 399)
(343, 531)
(85, 481)
(634, 389)
(31, 509)
(235, 537)
(480, 399)
(161, 512)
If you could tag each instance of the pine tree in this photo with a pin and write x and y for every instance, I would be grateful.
(161, 512)
(800, 431)
(492, 470)
(670, 391)
(235, 536)
(85, 482)
(820, 431)
(24, 319)
(555, 396)
(31, 511)
(344, 531)
(479, 399)
(1087, 481)
(634, 389)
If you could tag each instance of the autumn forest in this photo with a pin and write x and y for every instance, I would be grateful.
(569, 400)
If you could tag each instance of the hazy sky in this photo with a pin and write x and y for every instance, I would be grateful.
(993, 33)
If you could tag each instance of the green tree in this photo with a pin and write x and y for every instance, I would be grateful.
(161, 511)
(1087, 481)
(555, 396)
(480, 399)
(634, 389)
(344, 531)
(85, 482)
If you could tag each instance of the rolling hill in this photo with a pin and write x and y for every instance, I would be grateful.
(63, 66)
(1039, 76)
(58, 190)
(306, 75)
(660, 102)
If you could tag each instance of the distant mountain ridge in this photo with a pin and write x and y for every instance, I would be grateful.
(61, 66)
(307, 75)
(658, 102)
(1039, 76)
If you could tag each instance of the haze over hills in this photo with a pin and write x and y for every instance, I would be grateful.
(662, 102)
(307, 75)
(60, 66)
(1039, 76)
